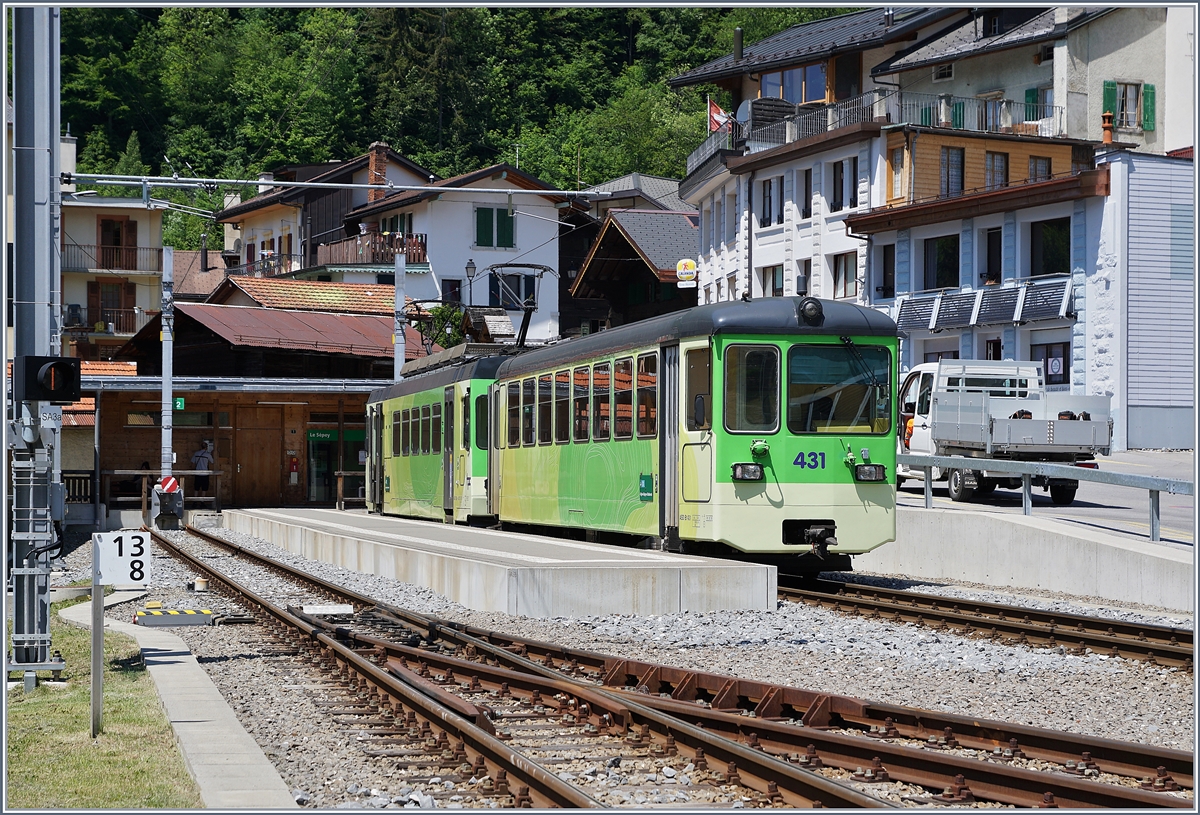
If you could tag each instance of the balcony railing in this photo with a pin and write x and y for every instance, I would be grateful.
(886, 106)
(268, 266)
(107, 320)
(979, 115)
(374, 248)
(78, 257)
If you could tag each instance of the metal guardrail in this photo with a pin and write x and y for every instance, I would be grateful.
(1028, 469)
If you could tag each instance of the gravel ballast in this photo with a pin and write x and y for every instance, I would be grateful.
(798, 645)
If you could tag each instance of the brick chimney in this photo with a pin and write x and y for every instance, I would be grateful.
(376, 168)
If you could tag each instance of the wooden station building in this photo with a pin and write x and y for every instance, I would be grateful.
(280, 392)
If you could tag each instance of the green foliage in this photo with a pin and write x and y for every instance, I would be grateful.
(234, 92)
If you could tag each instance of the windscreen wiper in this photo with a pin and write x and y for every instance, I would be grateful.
(849, 343)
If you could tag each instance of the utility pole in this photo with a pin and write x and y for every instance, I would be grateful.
(35, 425)
(398, 318)
(167, 498)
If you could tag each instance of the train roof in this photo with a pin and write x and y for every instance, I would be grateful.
(482, 368)
(767, 315)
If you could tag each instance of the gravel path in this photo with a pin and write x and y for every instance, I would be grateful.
(796, 645)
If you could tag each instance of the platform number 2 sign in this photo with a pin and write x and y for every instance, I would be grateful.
(122, 557)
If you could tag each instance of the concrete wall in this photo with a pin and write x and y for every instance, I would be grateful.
(1029, 553)
(1179, 86)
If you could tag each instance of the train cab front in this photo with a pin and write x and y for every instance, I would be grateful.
(804, 475)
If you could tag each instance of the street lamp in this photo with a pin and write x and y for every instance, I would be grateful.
(471, 281)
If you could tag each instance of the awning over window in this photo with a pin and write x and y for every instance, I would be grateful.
(994, 305)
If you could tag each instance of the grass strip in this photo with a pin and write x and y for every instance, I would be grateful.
(54, 763)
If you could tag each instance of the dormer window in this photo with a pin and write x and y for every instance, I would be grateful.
(796, 85)
(991, 24)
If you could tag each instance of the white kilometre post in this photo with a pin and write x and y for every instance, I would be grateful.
(398, 317)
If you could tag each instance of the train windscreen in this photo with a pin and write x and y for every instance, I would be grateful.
(839, 389)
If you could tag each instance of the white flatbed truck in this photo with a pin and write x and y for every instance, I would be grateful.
(998, 409)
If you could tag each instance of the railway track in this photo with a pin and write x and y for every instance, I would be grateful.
(775, 744)
(1014, 625)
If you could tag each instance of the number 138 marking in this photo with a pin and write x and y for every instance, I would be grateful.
(816, 461)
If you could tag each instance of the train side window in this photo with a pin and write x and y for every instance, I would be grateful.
(466, 422)
(398, 430)
(562, 407)
(647, 396)
(545, 408)
(752, 389)
(435, 433)
(527, 387)
(699, 383)
(623, 398)
(580, 388)
(425, 428)
(514, 414)
(601, 418)
(481, 422)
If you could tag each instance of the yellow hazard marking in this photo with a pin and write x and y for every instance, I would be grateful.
(154, 604)
(173, 611)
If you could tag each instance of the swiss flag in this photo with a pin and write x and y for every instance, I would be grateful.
(717, 118)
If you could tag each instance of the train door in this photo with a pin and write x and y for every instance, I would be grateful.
(668, 468)
(375, 456)
(448, 454)
(694, 423)
(495, 442)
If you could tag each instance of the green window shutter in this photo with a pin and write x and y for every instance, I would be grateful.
(1031, 104)
(1147, 107)
(957, 119)
(1110, 98)
(927, 116)
(504, 228)
(483, 226)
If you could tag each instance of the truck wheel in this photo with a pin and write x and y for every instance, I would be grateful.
(1062, 495)
(954, 485)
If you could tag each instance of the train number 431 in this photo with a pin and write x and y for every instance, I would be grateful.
(814, 460)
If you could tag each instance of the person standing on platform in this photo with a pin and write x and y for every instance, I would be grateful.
(202, 459)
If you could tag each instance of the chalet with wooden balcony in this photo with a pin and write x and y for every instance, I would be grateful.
(285, 230)
(470, 241)
(111, 264)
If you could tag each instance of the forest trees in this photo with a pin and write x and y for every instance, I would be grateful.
(580, 93)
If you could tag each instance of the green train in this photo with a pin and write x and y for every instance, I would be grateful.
(760, 430)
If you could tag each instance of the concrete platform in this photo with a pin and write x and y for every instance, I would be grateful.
(1028, 552)
(228, 765)
(510, 572)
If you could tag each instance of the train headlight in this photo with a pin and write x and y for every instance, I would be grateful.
(869, 472)
(747, 472)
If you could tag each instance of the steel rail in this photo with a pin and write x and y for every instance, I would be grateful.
(924, 611)
(546, 788)
(769, 700)
(1068, 623)
(987, 780)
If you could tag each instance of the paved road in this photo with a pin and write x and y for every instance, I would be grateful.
(1097, 506)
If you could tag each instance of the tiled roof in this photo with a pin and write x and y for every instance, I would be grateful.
(402, 198)
(318, 295)
(362, 335)
(961, 40)
(108, 367)
(856, 31)
(192, 282)
(663, 191)
(663, 237)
